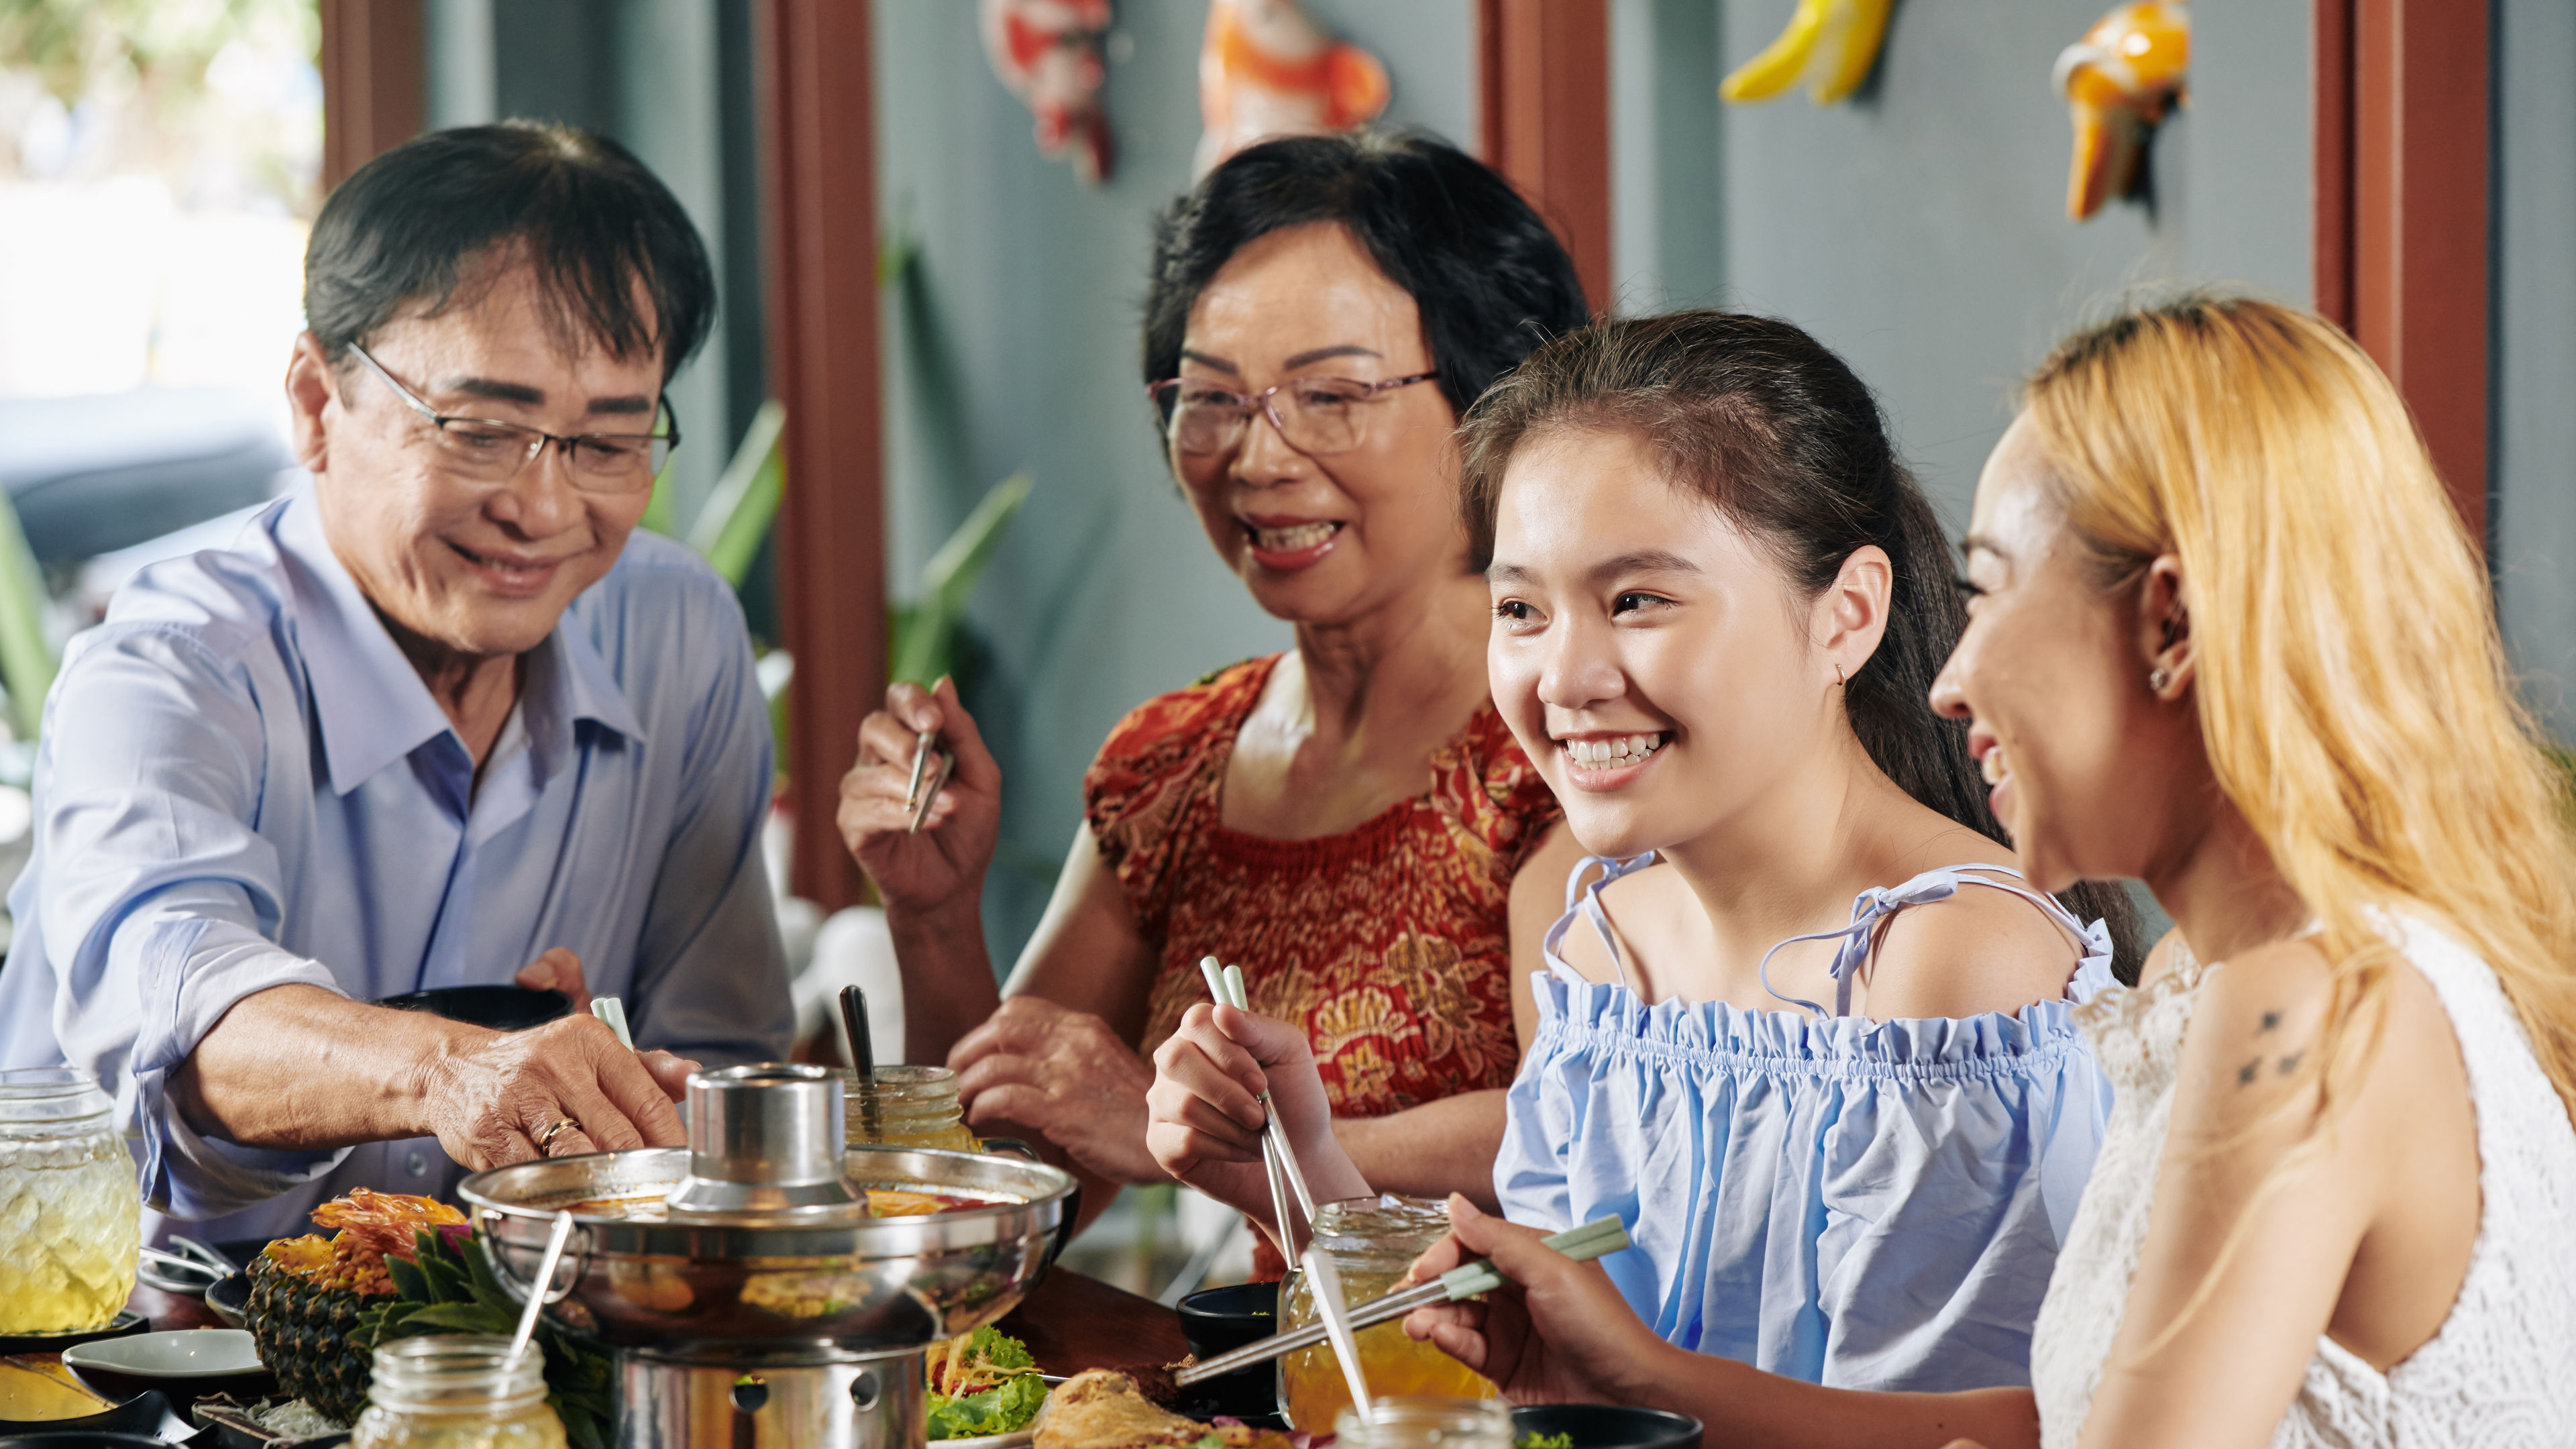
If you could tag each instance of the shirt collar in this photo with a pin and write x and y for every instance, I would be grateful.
(370, 705)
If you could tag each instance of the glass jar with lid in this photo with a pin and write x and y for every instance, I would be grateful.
(1370, 1242)
(905, 1107)
(458, 1391)
(69, 1209)
(1422, 1421)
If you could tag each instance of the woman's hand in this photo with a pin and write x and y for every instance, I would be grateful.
(943, 866)
(1557, 1333)
(1206, 1113)
(1064, 1075)
(491, 1101)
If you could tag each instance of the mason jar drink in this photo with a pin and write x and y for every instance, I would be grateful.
(905, 1107)
(1370, 1241)
(1416, 1421)
(458, 1391)
(70, 1217)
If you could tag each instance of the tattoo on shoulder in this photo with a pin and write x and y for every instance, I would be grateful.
(2271, 1020)
(2246, 1074)
(2291, 1062)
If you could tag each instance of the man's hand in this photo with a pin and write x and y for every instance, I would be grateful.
(557, 970)
(491, 1103)
(1557, 1333)
(1064, 1075)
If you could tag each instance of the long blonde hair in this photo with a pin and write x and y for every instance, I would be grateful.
(2353, 693)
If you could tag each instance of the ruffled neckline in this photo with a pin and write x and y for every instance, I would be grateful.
(1722, 1031)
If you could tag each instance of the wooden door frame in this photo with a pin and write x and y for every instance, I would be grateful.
(1543, 119)
(2403, 210)
(816, 89)
(375, 85)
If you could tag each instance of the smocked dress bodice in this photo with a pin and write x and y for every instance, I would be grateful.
(2495, 1375)
(1854, 1203)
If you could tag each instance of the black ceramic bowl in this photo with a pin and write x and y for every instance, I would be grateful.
(1216, 1320)
(81, 1439)
(502, 1008)
(1607, 1426)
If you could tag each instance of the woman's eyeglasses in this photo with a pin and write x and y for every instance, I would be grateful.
(484, 450)
(1317, 416)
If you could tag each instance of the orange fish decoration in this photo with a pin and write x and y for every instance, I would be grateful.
(1048, 53)
(2119, 81)
(1265, 70)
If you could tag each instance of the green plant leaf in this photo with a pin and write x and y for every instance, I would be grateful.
(465, 1318)
(409, 1280)
(925, 632)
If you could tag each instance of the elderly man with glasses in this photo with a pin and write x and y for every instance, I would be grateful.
(442, 719)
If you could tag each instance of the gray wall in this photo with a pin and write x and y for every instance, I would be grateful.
(2534, 375)
(1011, 341)
(671, 80)
(1920, 229)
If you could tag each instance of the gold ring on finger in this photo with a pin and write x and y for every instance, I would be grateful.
(547, 1138)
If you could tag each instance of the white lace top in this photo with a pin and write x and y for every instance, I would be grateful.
(2501, 1372)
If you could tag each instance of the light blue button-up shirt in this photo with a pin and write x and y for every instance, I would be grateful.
(243, 783)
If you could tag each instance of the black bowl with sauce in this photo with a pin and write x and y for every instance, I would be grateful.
(1220, 1320)
(1606, 1426)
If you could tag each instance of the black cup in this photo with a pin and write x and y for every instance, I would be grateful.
(1607, 1426)
(1218, 1320)
(502, 1008)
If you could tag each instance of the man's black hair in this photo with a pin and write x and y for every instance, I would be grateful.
(409, 226)
(1490, 279)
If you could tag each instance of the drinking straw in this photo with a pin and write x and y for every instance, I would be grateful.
(544, 1284)
(1326, 1281)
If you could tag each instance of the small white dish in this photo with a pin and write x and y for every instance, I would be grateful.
(1017, 1439)
(184, 1353)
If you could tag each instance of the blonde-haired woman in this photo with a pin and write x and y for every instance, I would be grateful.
(2228, 637)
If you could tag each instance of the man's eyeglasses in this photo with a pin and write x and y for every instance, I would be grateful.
(484, 450)
(1317, 416)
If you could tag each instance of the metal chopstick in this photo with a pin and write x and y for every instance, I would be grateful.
(1595, 1239)
(1325, 1282)
(1215, 975)
(1271, 1130)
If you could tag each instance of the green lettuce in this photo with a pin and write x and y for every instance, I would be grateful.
(1005, 1408)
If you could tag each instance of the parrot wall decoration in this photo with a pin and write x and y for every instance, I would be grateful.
(1266, 70)
(1831, 44)
(1048, 53)
(2119, 81)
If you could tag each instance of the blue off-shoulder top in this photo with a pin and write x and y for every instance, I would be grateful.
(1871, 1205)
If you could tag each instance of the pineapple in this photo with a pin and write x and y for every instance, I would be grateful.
(311, 1297)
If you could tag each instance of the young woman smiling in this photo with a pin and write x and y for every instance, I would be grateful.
(1717, 603)
(2230, 638)
(1343, 820)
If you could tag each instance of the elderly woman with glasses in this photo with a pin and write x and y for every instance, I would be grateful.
(440, 719)
(1345, 821)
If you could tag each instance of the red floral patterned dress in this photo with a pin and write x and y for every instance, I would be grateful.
(1389, 944)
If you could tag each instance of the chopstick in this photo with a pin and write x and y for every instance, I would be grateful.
(1272, 1130)
(1595, 1239)
(613, 1011)
(1218, 988)
(915, 798)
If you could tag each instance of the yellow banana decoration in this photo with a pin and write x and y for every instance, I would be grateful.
(2118, 81)
(1830, 43)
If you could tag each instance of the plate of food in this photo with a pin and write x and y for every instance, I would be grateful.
(1108, 1409)
(985, 1391)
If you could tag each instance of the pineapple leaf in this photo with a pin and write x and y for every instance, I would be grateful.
(485, 1288)
(463, 1318)
(409, 1280)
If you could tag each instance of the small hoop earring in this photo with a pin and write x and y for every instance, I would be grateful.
(1838, 676)
(2158, 678)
